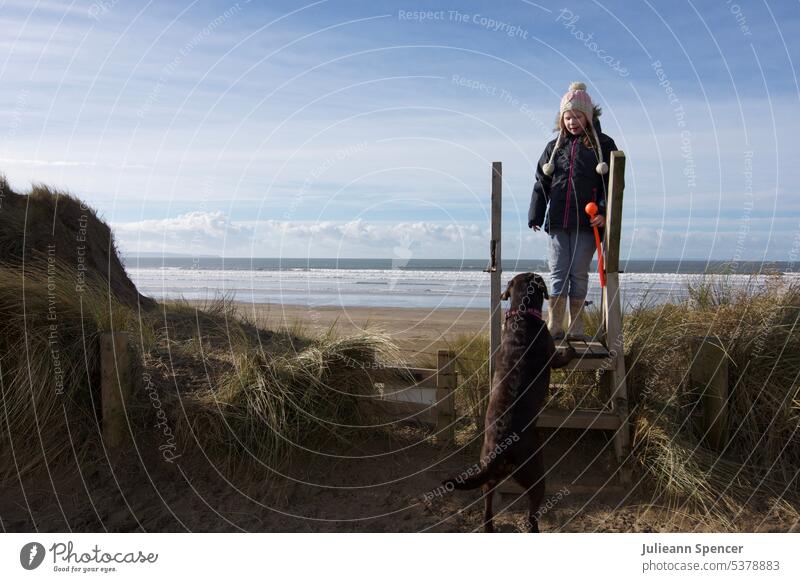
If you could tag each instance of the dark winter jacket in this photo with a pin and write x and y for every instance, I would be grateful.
(558, 201)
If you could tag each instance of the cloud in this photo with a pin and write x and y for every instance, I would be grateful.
(193, 232)
(72, 164)
(201, 232)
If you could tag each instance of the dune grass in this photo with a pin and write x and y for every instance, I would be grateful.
(246, 396)
(49, 364)
(758, 326)
(269, 408)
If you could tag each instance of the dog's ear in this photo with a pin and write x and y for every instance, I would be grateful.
(541, 285)
(507, 293)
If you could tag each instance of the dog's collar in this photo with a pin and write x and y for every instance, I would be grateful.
(534, 312)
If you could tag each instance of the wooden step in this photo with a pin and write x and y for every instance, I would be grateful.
(590, 349)
(589, 419)
(591, 356)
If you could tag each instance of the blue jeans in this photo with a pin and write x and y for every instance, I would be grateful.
(571, 253)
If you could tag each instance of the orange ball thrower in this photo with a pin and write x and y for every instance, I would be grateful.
(591, 210)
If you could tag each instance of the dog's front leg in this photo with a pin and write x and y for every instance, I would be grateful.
(488, 512)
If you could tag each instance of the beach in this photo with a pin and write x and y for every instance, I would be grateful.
(415, 330)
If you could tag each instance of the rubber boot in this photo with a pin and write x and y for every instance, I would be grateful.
(575, 330)
(555, 323)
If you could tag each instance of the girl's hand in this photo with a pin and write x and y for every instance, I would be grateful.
(599, 221)
(536, 228)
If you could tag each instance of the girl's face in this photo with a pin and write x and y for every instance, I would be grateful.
(574, 121)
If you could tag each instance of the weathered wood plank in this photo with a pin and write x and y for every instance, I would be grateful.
(445, 394)
(577, 419)
(115, 387)
(708, 375)
(495, 265)
(613, 230)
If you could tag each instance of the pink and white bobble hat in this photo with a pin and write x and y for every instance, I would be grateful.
(576, 99)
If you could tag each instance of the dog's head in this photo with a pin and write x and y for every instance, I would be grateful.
(526, 291)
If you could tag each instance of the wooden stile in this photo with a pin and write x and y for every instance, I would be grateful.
(607, 356)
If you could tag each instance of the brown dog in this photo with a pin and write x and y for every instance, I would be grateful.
(511, 443)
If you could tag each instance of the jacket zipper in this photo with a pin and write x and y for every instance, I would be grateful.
(569, 182)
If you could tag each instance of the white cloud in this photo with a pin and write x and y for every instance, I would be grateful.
(214, 233)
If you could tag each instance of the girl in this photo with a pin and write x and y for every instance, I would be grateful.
(572, 172)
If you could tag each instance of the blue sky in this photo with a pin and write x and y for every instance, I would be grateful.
(367, 129)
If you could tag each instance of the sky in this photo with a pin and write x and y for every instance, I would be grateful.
(368, 129)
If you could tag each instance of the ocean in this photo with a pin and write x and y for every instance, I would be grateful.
(420, 283)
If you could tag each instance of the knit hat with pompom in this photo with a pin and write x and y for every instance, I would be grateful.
(577, 99)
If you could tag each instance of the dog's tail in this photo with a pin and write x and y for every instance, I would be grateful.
(468, 480)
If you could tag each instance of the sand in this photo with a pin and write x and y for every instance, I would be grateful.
(415, 330)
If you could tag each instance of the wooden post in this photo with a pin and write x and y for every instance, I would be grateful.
(708, 374)
(115, 387)
(613, 230)
(445, 397)
(495, 266)
(612, 311)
